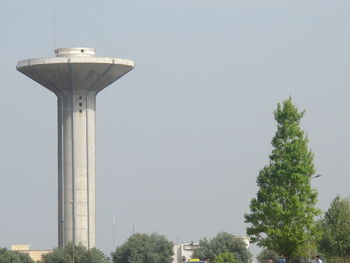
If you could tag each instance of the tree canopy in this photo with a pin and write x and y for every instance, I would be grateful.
(80, 253)
(226, 257)
(141, 248)
(335, 238)
(282, 214)
(9, 256)
(222, 243)
(267, 254)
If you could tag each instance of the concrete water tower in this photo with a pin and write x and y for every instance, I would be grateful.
(75, 75)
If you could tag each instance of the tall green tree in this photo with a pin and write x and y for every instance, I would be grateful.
(222, 243)
(282, 214)
(142, 248)
(79, 253)
(9, 256)
(335, 238)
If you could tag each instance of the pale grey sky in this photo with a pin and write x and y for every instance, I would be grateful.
(180, 139)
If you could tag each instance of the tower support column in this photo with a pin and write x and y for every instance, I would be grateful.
(78, 165)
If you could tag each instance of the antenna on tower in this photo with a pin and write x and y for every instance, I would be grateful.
(114, 232)
(54, 27)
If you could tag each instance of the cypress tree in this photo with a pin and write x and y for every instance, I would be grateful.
(282, 214)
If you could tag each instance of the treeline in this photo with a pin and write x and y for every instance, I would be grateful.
(142, 248)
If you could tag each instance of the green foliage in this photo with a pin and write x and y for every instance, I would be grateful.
(335, 239)
(80, 253)
(267, 254)
(9, 256)
(222, 243)
(226, 258)
(143, 248)
(282, 214)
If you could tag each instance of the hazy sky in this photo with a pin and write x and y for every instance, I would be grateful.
(180, 139)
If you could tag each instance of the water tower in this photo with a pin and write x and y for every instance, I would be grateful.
(76, 75)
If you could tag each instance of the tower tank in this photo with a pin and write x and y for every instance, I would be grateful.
(76, 76)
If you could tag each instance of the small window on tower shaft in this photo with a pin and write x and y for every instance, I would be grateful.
(80, 104)
(80, 111)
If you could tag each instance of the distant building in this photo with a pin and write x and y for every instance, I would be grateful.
(183, 252)
(34, 254)
(246, 241)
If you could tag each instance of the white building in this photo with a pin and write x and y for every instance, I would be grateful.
(35, 255)
(183, 252)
